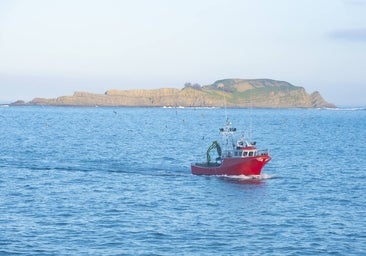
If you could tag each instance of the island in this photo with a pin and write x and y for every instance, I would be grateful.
(241, 93)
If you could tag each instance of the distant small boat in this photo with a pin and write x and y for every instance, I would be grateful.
(239, 157)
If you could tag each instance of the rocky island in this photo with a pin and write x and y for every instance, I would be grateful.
(259, 93)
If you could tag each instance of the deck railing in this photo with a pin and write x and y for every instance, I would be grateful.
(239, 153)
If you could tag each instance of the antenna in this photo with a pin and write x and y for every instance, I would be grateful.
(225, 107)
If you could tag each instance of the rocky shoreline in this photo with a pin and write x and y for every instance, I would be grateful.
(259, 93)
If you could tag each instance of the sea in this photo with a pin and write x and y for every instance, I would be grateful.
(117, 181)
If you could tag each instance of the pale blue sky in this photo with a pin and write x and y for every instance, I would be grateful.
(53, 48)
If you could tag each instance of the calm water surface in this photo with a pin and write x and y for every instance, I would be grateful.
(116, 181)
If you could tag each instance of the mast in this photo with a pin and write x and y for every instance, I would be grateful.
(250, 115)
(227, 134)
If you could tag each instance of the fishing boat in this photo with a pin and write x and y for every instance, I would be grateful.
(239, 157)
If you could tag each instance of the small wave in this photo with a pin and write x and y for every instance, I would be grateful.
(181, 107)
(347, 109)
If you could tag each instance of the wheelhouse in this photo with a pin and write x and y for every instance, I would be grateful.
(245, 151)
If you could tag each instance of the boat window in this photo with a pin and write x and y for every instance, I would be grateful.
(245, 153)
(251, 153)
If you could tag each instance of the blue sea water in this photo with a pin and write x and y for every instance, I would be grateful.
(117, 181)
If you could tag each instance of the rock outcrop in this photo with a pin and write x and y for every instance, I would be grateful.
(264, 93)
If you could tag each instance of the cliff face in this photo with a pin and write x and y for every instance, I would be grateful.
(235, 92)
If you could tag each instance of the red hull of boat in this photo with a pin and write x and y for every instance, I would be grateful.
(233, 166)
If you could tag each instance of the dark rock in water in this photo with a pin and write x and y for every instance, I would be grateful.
(18, 103)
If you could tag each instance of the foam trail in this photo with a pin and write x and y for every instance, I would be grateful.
(263, 176)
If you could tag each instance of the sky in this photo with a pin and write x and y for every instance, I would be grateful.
(53, 48)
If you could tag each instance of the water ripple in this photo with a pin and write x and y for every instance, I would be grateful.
(87, 181)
